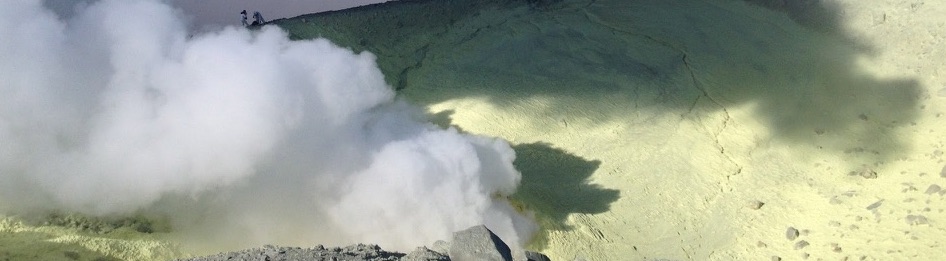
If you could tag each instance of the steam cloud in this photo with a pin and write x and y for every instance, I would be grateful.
(240, 136)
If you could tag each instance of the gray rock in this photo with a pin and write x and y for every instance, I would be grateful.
(933, 189)
(791, 233)
(478, 244)
(441, 246)
(801, 244)
(536, 256)
(424, 254)
(358, 252)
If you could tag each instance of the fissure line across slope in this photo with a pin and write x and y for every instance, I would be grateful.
(696, 84)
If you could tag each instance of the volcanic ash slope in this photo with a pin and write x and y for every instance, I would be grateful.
(704, 130)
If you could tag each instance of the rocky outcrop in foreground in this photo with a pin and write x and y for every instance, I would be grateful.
(474, 244)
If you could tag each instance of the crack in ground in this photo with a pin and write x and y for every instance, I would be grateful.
(402, 77)
(419, 55)
(696, 84)
(726, 119)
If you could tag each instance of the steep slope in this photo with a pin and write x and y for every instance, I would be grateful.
(684, 129)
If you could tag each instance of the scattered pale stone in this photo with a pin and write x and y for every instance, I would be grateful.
(801, 244)
(791, 233)
(917, 220)
(755, 204)
(933, 189)
(908, 187)
(834, 201)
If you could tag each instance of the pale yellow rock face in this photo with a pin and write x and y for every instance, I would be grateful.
(854, 169)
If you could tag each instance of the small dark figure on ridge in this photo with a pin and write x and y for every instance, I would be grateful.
(258, 18)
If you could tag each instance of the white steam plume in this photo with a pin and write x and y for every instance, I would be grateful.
(243, 137)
